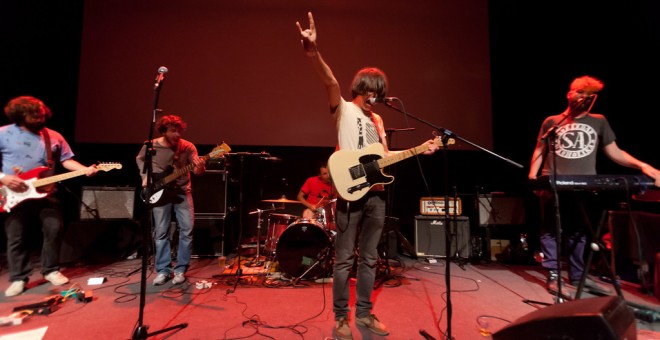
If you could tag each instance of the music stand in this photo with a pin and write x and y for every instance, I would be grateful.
(446, 135)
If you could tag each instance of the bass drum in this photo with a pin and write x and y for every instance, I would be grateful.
(300, 246)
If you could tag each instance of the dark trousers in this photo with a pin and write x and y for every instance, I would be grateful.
(21, 223)
(578, 210)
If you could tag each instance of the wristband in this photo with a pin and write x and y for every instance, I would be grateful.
(2, 175)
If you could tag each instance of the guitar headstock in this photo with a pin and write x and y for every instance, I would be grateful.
(108, 166)
(219, 150)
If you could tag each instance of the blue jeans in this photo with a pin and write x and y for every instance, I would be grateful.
(182, 205)
(368, 216)
(22, 221)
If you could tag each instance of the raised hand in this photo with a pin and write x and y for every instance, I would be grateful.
(308, 36)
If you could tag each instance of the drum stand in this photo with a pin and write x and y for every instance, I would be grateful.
(257, 261)
(322, 255)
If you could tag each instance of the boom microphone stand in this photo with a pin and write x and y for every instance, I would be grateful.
(141, 331)
(446, 135)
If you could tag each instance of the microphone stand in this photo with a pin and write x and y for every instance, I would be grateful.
(241, 206)
(141, 331)
(446, 134)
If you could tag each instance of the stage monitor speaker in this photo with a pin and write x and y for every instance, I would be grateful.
(500, 209)
(430, 236)
(210, 192)
(107, 203)
(100, 241)
(208, 236)
(602, 318)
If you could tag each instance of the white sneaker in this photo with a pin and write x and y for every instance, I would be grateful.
(56, 278)
(179, 278)
(161, 279)
(15, 288)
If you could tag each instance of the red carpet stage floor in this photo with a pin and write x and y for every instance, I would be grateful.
(484, 298)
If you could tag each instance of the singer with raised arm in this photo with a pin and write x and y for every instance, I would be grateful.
(577, 135)
(358, 127)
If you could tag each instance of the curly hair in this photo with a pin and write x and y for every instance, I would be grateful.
(369, 79)
(20, 107)
(587, 84)
(170, 120)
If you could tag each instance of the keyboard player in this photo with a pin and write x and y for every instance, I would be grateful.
(577, 135)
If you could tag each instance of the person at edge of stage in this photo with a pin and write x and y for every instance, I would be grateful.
(24, 146)
(578, 139)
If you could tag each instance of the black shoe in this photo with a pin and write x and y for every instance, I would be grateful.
(551, 285)
(593, 286)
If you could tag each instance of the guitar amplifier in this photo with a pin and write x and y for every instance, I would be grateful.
(210, 192)
(430, 234)
(107, 203)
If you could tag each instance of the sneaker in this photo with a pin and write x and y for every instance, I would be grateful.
(179, 278)
(593, 286)
(56, 278)
(15, 288)
(375, 326)
(342, 330)
(161, 279)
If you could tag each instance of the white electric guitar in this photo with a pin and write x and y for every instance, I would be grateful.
(355, 172)
(40, 187)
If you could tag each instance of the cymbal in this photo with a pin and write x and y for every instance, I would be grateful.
(281, 200)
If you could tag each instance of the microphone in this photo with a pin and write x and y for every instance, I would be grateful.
(160, 77)
(374, 100)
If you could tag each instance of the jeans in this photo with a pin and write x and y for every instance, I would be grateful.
(577, 211)
(20, 222)
(369, 214)
(182, 205)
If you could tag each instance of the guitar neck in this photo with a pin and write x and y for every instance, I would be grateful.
(54, 179)
(181, 171)
(397, 157)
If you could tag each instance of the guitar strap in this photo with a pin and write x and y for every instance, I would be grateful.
(49, 151)
(375, 121)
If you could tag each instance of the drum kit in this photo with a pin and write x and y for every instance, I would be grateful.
(302, 247)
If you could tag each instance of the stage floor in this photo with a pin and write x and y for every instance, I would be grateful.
(484, 298)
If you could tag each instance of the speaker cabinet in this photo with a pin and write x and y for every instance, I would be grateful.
(209, 236)
(107, 203)
(210, 192)
(495, 209)
(602, 318)
(430, 234)
(100, 241)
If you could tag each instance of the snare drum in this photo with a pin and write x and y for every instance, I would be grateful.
(300, 246)
(277, 223)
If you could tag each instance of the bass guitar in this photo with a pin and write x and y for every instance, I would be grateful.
(355, 172)
(161, 184)
(40, 187)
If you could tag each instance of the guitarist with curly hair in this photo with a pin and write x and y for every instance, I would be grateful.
(27, 147)
(171, 153)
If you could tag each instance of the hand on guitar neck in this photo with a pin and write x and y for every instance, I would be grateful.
(355, 172)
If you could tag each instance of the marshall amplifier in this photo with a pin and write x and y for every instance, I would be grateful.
(430, 235)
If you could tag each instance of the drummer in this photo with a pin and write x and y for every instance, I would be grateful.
(316, 193)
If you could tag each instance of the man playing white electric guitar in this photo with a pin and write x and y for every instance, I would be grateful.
(358, 127)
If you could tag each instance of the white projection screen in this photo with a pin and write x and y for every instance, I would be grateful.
(237, 71)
